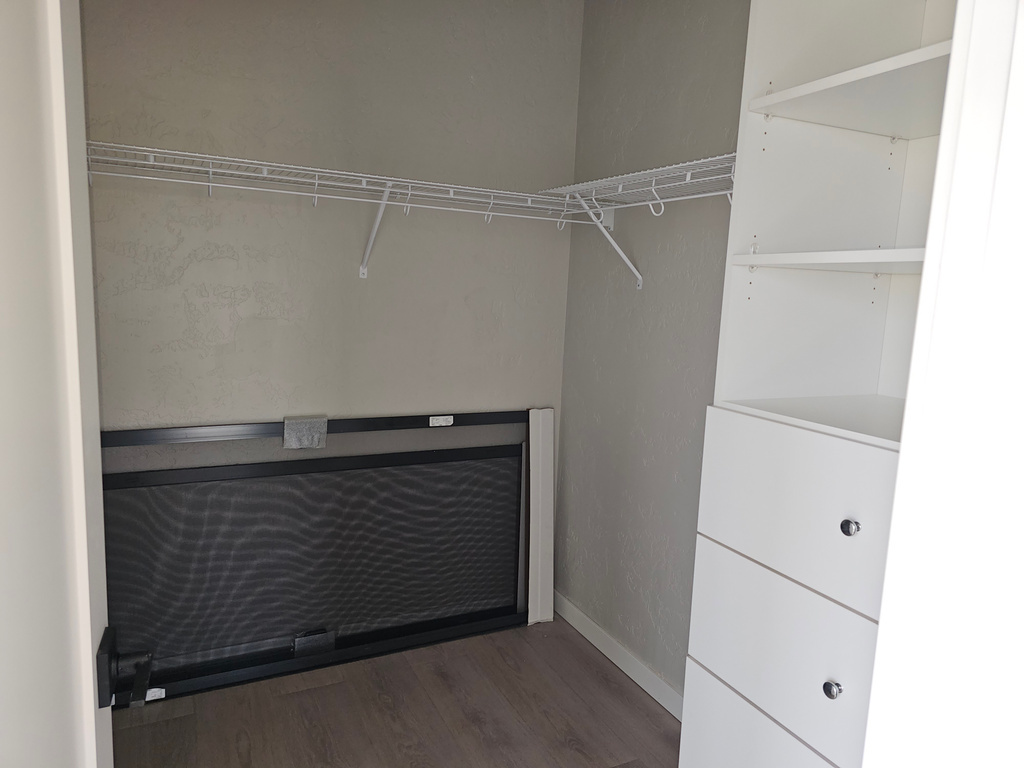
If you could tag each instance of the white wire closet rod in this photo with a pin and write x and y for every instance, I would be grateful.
(574, 204)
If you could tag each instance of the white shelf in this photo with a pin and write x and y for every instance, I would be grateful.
(697, 178)
(574, 204)
(900, 96)
(892, 261)
(874, 419)
(233, 173)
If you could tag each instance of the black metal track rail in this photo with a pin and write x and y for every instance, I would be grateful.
(203, 434)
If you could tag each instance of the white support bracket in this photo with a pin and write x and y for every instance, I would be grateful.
(373, 232)
(618, 250)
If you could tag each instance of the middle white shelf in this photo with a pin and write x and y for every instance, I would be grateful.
(892, 261)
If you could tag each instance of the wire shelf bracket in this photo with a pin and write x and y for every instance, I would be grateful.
(373, 232)
(591, 203)
(598, 221)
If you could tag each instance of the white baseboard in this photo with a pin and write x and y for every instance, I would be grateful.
(642, 675)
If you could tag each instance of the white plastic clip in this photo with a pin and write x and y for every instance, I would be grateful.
(407, 207)
(316, 186)
(488, 216)
(209, 190)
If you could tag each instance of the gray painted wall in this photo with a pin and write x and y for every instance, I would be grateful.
(660, 84)
(248, 307)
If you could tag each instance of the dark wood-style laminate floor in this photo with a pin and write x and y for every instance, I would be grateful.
(524, 698)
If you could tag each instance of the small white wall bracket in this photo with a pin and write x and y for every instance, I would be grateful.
(373, 232)
(599, 222)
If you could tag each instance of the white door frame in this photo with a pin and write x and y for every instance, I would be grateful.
(52, 580)
(949, 660)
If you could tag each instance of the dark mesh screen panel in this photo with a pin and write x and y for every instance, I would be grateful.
(197, 568)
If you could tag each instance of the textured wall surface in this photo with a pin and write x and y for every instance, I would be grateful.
(249, 307)
(660, 84)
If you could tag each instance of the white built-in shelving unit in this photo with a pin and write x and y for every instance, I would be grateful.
(839, 130)
(827, 241)
(589, 203)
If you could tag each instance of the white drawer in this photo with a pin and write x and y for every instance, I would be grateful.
(721, 730)
(778, 643)
(779, 494)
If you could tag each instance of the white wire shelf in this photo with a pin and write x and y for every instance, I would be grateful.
(213, 171)
(683, 181)
(574, 204)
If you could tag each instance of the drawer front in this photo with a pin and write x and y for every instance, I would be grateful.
(778, 643)
(721, 730)
(779, 494)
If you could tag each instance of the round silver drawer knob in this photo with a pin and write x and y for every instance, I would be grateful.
(849, 527)
(832, 690)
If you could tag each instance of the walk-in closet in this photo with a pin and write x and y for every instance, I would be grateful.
(512, 384)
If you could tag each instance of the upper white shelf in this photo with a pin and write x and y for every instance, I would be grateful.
(900, 96)
(891, 261)
(697, 178)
